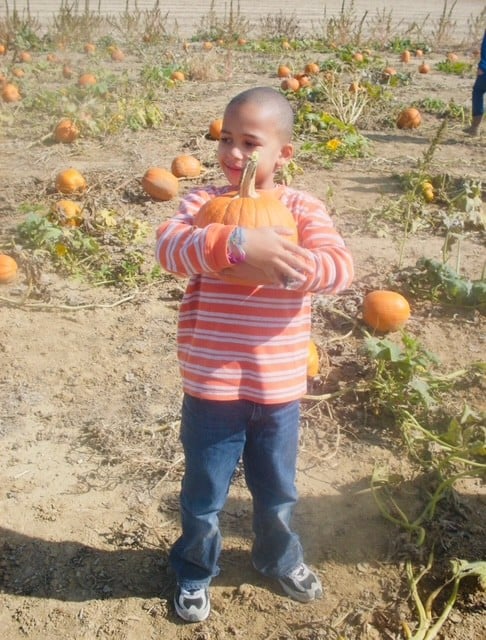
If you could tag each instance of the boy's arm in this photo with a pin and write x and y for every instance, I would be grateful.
(331, 260)
(184, 249)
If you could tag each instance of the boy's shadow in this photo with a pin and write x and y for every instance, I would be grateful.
(76, 572)
(345, 528)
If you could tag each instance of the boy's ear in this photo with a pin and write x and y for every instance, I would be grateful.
(286, 153)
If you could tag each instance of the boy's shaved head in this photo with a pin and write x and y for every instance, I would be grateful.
(272, 101)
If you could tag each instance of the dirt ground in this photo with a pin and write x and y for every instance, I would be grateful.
(90, 464)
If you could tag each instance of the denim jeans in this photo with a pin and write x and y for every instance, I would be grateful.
(215, 436)
(479, 89)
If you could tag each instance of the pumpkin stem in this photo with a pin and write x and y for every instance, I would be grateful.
(247, 182)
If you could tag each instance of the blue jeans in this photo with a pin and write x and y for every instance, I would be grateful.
(215, 435)
(478, 91)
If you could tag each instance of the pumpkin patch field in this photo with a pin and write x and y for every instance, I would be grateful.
(106, 122)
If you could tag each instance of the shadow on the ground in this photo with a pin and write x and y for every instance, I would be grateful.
(345, 528)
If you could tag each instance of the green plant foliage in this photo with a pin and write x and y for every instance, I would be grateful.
(327, 138)
(402, 375)
(105, 250)
(458, 68)
(438, 281)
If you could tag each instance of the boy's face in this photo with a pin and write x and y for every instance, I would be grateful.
(250, 127)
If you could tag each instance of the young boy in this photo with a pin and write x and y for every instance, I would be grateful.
(242, 351)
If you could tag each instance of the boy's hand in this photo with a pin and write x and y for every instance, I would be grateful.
(276, 259)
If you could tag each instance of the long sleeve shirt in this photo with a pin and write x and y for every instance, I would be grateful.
(247, 342)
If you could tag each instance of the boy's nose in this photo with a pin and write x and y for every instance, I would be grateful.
(236, 153)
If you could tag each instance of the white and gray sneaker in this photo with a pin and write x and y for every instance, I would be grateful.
(302, 584)
(192, 605)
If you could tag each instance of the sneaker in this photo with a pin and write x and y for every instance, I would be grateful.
(302, 584)
(472, 131)
(192, 605)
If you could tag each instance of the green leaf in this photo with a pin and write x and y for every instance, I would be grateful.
(383, 349)
(422, 388)
(453, 434)
(464, 569)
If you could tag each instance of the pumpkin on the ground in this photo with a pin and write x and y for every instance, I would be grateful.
(312, 68)
(409, 118)
(66, 131)
(290, 84)
(68, 213)
(70, 181)
(185, 166)
(385, 310)
(87, 80)
(283, 71)
(178, 76)
(10, 93)
(215, 127)
(312, 360)
(8, 268)
(160, 184)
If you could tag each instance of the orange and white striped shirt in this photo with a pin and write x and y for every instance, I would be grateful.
(240, 342)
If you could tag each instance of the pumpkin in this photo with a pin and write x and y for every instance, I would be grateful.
(207, 46)
(247, 208)
(178, 76)
(303, 80)
(409, 118)
(424, 68)
(389, 71)
(89, 48)
(428, 191)
(52, 57)
(405, 56)
(18, 72)
(67, 72)
(290, 84)
(312, 360)
(68, 213)
(66, 131)
(3, 49)
(8, 268)
(24, 56)
(10, 93)
(86, 80)
(185, 167)
(312, 68)
(358, 57)
(70, 181)
(215, 127)
(286, 45)
(284, 71)
(385, 310)
(116, 54)
(452, 57)
(419, 53)
(160, 184)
